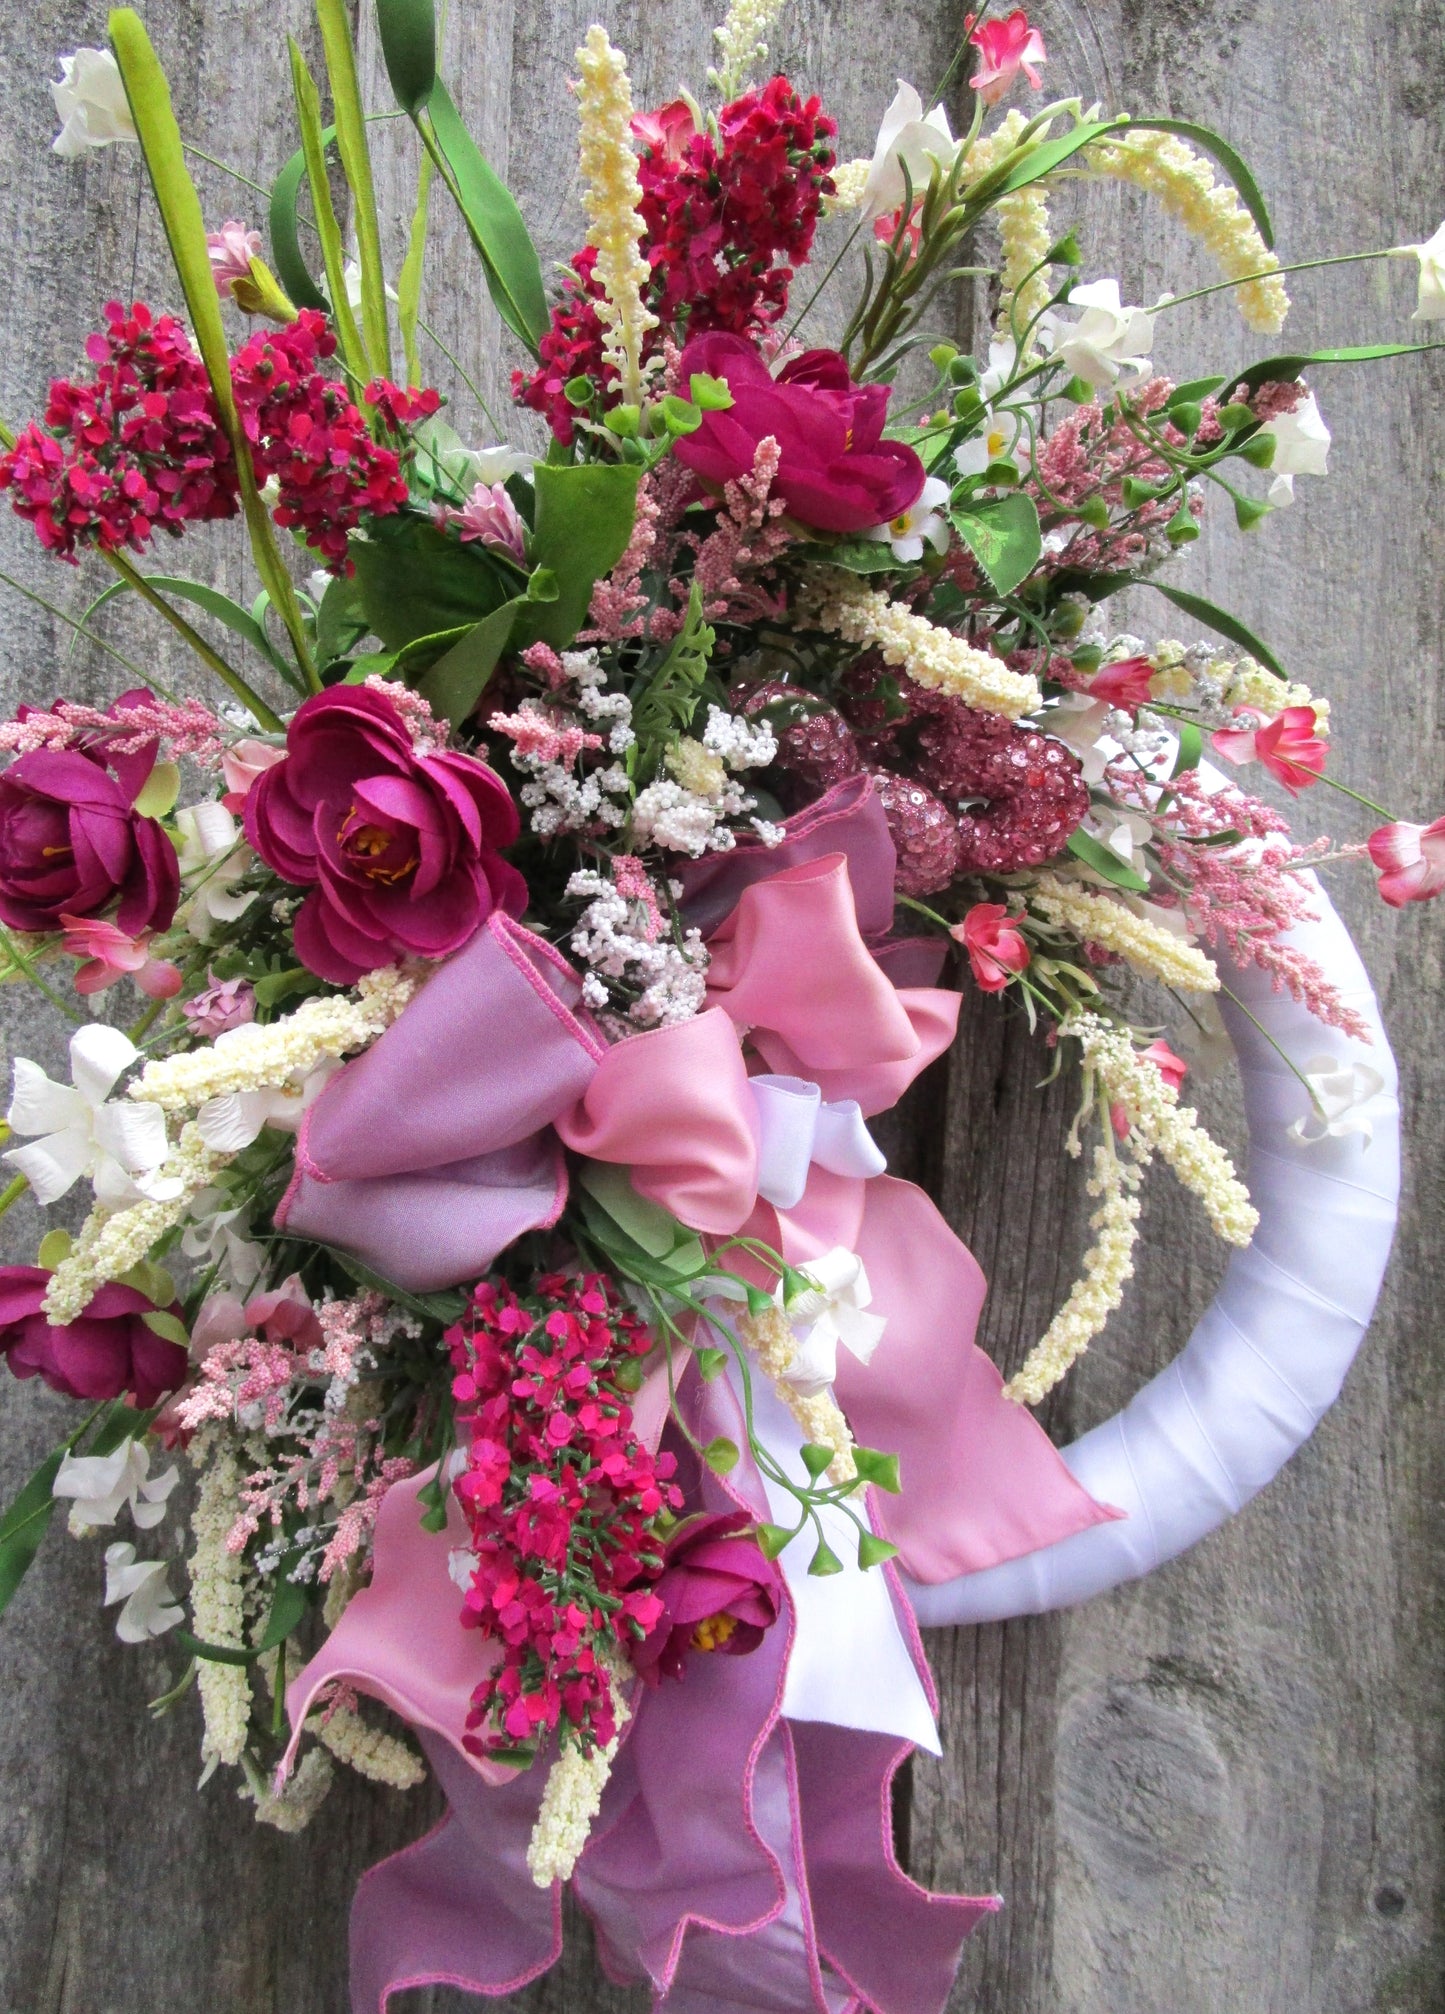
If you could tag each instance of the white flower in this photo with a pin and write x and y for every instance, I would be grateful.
(995, 444)
(1109, 345)
(211, 1235)
(119, 1146)
(907, 532)
(495, 464)
(141, 1585)
(351, 273)
(232, 1121)
(213, 858)
(91, 104)
(830, 1313)
(1340, 1092)
(1301, 448)
(1081, 722)
(906, 137)
(102, 1485)
(1003, 356)
(1431, 302)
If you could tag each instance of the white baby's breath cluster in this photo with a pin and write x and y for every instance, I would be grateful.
(1107, 1269)
(1103, 920)
(688, 811)
(931, 656)
(612, 195)
(741, 45)
(573, 1796)
(218, 1601)
(655, 980)
(1184, 181)
(256, 1057)
(562, 801)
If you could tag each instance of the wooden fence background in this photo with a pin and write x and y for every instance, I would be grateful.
(1218, 1792)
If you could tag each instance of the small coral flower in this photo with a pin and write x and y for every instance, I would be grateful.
(1124, 683)
(1289, 746)
(1411, 860)
(1006, 47)
(996, 947)
(112, 955)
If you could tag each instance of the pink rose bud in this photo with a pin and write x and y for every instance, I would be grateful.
(996, 947)
(241, 764)
(1124, 683)
(1411, 860)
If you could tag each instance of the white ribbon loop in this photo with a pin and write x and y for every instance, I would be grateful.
(797, 1126)
(830, 1314)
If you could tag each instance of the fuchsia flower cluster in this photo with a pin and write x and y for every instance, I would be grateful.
(562, 1498)
(726, 222)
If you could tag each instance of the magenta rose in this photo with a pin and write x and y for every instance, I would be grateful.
(836, 472)
(107, 1351)
(718, 1592)
(72, 841)
(399, 850)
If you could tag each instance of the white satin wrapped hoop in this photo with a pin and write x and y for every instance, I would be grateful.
(1268, 1358)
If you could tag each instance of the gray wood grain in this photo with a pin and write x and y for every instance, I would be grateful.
(1217, 1791)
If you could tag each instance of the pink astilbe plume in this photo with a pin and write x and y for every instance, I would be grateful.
(746, 538)
(183, 727)
(616, 600)
(1089, 456)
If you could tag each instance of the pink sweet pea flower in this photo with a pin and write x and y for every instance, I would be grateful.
(1411, 860)
(1124, 683)
(111, 955)
(1173, 1069)
(231, 250)
(994, 943)
(241, 764)
(1007, 47)
(1288, 746)
(667, 132)
(490, 516)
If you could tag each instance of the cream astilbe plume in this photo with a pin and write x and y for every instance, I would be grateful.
(1025, 233)
(740, 43)
(612, 195)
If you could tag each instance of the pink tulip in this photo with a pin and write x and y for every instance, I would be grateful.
(1288, 746)
(1007, 47)
(1124, 683)
(995, 945)
(111, 955)
(1411, 860)
(241, 764)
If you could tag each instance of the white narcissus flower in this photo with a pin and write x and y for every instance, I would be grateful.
(91, 104)
(494, 464)
(230, 1123)
(995, 444)
(1109, 345)
(119, 1146)
(212, 859)
(829, 1314)
(1301, 448)
(907, 137)
(1430, 302)
(907, 532)
(101, 1486)
(351, 274)
(1341, 1091)
(141, 1585)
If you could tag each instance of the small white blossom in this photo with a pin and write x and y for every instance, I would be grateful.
(90, 103)
(1109, 345)
(1430, 305)
(230, 1122)
(101, 1486)
(920, 524)
(1301, 448)
(1341, 1093)
(741, 743)
(912, 139)
(213, 858)
(119, 1146)
(141, 1585)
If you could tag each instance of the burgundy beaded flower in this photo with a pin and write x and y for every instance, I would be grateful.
(815, 743)
(924, 832)
(1034, 786)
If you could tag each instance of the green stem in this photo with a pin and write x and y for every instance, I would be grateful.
(1285, 1058)
(430, 333)
(1269, 273)
(11, 1193)
(249, 698)
(143, 1023)
(90, 635)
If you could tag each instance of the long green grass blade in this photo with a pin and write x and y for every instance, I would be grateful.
(356, 162)
(496, 225)
(333, 251)
(408, 286)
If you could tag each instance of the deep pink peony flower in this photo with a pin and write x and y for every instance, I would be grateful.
(72, 841)
(718, 1592)
(1410, 859)
(996, 947)
(106, 1351)
(400, 851)
(836, 472)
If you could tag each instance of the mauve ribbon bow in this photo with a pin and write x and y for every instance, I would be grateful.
(790, 972)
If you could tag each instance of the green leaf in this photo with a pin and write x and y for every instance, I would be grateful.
(212, 1653)
(168, 1326)
(1233, 164)
(855, 555)
(496, 225)
(709, 393)
(149, 98)
(655, 1229)
(453, 685)
(1280, 370)
(584, 521)
(409, 48)
(340, 620)
(54, 1247)
(159, 791)
(1191, 748)
(120, 1423)
(872, 1550)
(414, 581)
(240, 621)
(632, 1260)
(667, 702)
(1105, 861)
(1222, 623)
(25, 1524)
(880, 1469)
(335, 22)
(288, 1608)
(816, 1458)
(286, 255)
(314, 141)
(1191, 393)
(824, 1561)
(721, 1455)
(1004, 538)
(1041, 160)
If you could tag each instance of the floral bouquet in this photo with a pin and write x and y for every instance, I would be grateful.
(485, 1213)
